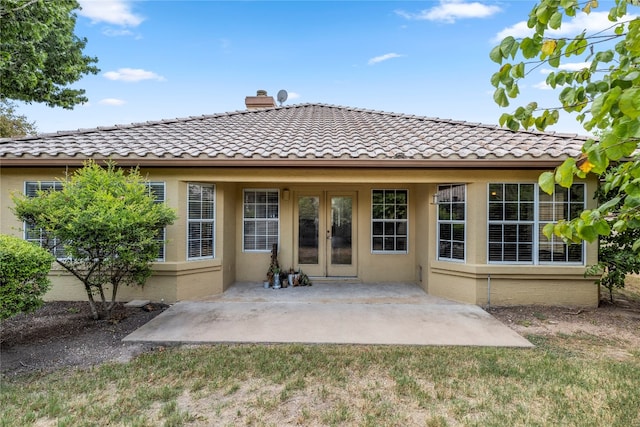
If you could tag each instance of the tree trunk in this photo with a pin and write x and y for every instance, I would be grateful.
(92, 303)
(112, 304)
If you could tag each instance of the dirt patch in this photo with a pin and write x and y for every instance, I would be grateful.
(63, 334)
(615, 327)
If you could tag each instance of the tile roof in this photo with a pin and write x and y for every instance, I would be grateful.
(302, 132)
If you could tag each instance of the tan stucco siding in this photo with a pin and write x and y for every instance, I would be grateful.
(179, 278)
(502, 285)
(512, 284)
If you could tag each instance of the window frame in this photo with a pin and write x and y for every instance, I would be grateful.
(384, 221)
(26, 228)
(57, 186)
(201, 221)
(452, 222)
(266, 220)
(162, 238)
(536, 227)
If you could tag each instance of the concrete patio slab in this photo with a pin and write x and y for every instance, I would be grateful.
(331, 312)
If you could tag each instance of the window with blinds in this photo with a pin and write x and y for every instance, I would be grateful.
(201, 221)
(518, 212)
(451, 222)
(261, 219)
(157, 191)
(37, 235)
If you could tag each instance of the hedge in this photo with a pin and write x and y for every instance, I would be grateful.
(23, 275)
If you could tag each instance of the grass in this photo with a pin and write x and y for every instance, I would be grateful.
(336, 385)
(562, 381)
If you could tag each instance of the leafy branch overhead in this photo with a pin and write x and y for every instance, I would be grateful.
(604, 96)
(40, 56)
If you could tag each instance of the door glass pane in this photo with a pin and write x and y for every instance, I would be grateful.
(308, 231)
(341, 216)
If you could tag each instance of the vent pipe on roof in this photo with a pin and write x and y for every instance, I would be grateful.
(261, 100)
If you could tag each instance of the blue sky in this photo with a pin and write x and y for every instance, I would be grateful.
(168, 59)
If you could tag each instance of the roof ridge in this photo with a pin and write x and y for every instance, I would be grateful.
(84, 131)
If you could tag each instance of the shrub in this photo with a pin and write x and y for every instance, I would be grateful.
(23, 275)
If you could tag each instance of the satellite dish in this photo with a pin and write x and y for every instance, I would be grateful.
(282, 96)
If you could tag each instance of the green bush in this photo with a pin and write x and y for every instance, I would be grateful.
(23, 275)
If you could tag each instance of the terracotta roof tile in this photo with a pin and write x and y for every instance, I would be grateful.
(303, 131)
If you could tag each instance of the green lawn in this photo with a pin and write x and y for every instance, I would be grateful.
(567, 380)
(337, 385)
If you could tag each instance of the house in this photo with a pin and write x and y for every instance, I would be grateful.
(345, 193)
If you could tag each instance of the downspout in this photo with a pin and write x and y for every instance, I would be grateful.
(488, 291)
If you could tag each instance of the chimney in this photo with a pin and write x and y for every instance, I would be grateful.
(261, 100)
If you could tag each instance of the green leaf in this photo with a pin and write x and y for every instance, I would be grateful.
(612, 147)
(602, 227)
(500, 97)
(547, 182)
(636, 245)
(506, 46)
(543, 13)
(612, 203)
(554, 60)
(517, 72)
(556, 20)
(629, 103)
(496, 54)
(633, 188)
(529, 48)
(548, 230)
(564, 173)
(598, 160)
(587, 232)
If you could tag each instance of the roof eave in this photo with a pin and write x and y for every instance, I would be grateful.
(476, 163)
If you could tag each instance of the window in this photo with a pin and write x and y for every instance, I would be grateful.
(564, 203)
(517, 215)
(201, 221)
(261, 220)
(451, 222)
(157, 191)
(389, 221)
(37, 235)
(32, 234)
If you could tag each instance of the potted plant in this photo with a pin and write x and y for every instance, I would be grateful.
(276, 277)
(291, 277)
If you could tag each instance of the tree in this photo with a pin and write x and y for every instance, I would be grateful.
(604, 95)
(107, 223)
(12, 125)
(616, 258)
(23, 276)
(39, 53)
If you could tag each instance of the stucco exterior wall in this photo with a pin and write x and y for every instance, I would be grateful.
(510, 284)
(179, 278)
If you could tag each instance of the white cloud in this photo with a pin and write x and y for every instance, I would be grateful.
(113, 102)
(112, 32)
(115, 12)
(384, 57)
(570, 66)
(542, 85)
(133, 75)
(448, 11)
(292, 95)
(593, 22)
